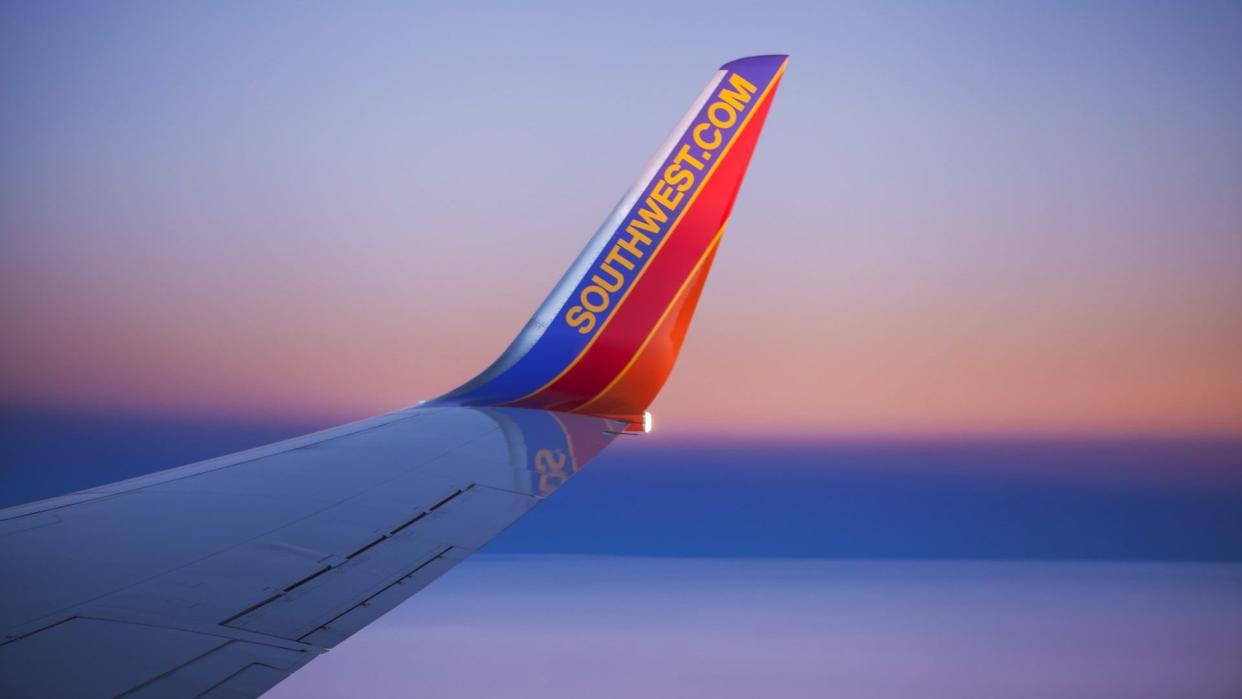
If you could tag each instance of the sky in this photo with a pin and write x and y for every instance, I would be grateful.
(966, 219)
(979, 308)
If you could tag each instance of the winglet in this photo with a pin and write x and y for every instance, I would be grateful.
(606, 338)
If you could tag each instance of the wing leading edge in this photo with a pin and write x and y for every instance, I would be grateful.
(221, 578)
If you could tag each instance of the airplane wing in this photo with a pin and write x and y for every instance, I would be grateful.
(220, 578)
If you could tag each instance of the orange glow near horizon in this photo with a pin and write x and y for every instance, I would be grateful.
(939, 234)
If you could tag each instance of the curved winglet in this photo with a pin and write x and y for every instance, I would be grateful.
(606, 338)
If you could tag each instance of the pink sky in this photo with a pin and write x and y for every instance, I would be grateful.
(1032, 228)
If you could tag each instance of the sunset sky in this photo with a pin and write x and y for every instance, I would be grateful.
(979, 219)
(960, 413)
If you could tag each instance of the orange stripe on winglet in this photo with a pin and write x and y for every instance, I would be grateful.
(644, 375)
